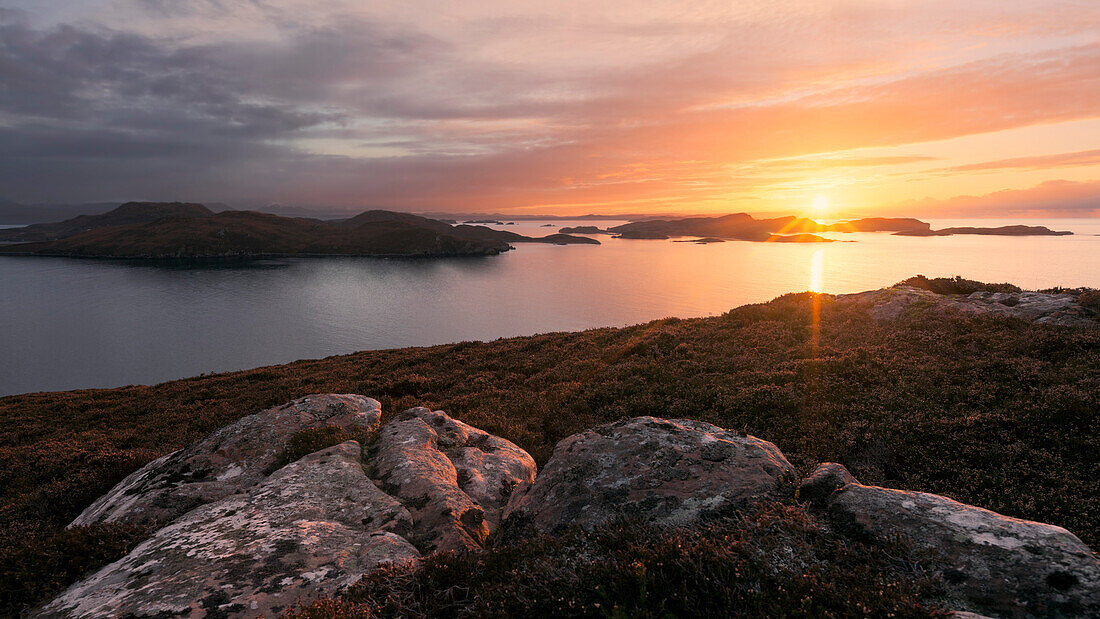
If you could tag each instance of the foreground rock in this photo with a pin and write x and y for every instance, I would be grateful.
(996, 565)
(233, 458)
(242, 542)
(454, 477)
(890, 304)
(313, 527)
(667, 472)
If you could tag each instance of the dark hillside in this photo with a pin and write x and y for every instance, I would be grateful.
(194, 233)
(246, 233)
(126, 214)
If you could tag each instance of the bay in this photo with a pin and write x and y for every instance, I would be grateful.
(70, 323)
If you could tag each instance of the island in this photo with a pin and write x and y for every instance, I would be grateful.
(703, 241)
(738, 226)
(1016, 230)
(583, 230)
(790, 229)
(175, 231)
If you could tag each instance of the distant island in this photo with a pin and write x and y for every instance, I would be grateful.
(790, 229)
(1001, 231)
(583, 230)
(164, 231)
(743, 227)
(191, 231)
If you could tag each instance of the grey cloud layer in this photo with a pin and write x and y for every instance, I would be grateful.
(340, 109)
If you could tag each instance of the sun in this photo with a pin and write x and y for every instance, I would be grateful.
(821, 204)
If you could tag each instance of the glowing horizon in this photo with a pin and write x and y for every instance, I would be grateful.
(922, 109)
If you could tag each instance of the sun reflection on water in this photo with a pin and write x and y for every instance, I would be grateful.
(817, 270)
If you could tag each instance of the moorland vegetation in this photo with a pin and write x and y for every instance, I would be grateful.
(992, 411)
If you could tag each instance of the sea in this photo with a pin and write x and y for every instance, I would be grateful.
(70, 323)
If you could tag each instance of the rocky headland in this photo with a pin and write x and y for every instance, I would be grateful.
(246, 527)
(1068, 308)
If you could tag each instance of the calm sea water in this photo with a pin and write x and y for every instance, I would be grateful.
(68, 323)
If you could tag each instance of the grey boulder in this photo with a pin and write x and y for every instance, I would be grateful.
(993, 564)
(230, 459)
(311, 528)
(891, 304)
(672, 472)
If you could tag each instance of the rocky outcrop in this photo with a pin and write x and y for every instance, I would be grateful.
(231, 459)
(668, 472)
(890, 304)
(247, 536)
(243, 533)
(994, 564)
(315, 526)
(454, 478)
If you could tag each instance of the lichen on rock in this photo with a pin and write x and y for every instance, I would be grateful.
(673, 472)
(231, 459)
(313, 527)
(994, 564)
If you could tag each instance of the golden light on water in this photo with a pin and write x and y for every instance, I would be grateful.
(817, 270)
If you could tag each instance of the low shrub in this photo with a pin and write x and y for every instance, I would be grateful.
(773, 561)
(305, 442)
(955, 285)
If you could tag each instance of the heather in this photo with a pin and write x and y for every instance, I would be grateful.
(992, 411)
(774, 560)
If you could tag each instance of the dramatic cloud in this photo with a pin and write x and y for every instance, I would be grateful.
(505, 106)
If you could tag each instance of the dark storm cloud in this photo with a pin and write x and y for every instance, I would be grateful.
(69, 94)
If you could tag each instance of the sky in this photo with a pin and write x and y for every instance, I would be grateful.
(988, 108)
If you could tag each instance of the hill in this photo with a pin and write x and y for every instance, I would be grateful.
(987, 409)
(192, 232)
(125, 214)
(15, 213)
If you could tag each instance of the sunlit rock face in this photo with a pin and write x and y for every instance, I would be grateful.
(230, 459)
(671, 472)
(994, 564)
(455, 478)
(313, 527)
(891, 304)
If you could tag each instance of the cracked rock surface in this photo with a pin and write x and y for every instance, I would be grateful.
(890, 304)
(260, 543)
(314, 526)
(455, 478)
(230, 459)
(996, 565)
(664, 471)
